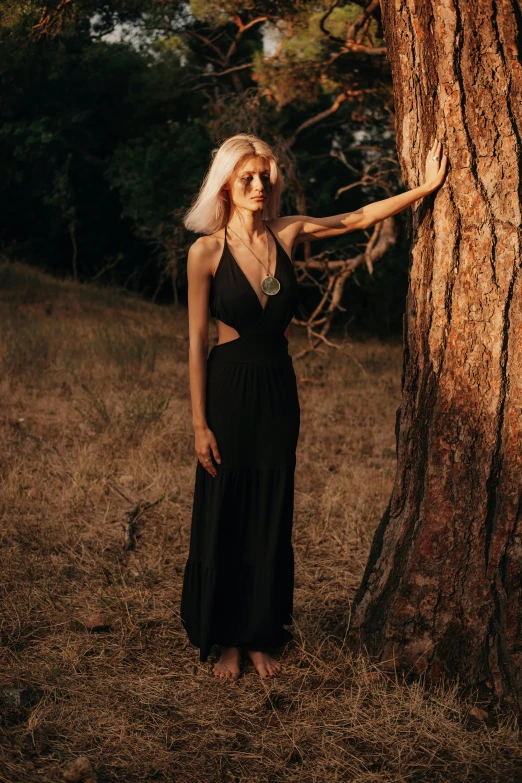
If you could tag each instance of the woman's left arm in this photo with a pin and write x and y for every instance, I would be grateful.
(304, 228)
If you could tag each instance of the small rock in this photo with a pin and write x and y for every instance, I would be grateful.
(228, 733)
(35, 493)
(15, 698)
(96, 622)
(479, 714)
(80, 771)
(373, 676)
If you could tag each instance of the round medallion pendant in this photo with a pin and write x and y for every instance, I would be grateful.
(270, 285)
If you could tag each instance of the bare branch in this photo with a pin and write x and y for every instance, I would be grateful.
(318, 117)
(227, 71)
(350, 44)
(51, 20)
(242, 28)
(208, 42)
(361, 20)
(338, 272)
(368, 251)
(323, 21)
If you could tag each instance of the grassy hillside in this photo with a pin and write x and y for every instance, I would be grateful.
(95, 424)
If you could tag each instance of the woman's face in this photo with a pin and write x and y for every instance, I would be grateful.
(250, 185)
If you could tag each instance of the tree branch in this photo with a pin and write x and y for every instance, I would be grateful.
(318, 117)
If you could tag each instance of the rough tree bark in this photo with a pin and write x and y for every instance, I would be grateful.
(443, 586)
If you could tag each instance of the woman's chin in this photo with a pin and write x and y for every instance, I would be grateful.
(253, 206)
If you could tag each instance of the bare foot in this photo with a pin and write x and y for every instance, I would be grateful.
(266, 666)
(227, 668)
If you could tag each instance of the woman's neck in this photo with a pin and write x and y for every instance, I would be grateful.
(245, 221)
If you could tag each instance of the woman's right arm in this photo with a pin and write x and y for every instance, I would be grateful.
(198, 275)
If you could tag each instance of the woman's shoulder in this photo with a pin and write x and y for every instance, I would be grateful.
(206, 243)
(206, 251)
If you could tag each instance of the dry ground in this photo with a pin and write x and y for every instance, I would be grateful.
(95, 417)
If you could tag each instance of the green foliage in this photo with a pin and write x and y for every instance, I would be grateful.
(338, 21)
(218, 12)
(149, 174)
(110, 112)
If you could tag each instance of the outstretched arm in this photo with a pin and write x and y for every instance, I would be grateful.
(301, 228)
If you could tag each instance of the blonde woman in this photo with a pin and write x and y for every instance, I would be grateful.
(238, 579)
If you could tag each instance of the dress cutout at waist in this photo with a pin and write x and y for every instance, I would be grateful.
(234, 301)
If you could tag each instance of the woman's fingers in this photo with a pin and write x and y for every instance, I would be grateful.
(204, 457)
(207, 463)
(436, 169)
(215, 451)
(442, 168)
(206, 448)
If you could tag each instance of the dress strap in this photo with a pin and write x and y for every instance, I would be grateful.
(277, 242)
(268, 227)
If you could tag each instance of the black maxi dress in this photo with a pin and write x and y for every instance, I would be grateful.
(239, 576)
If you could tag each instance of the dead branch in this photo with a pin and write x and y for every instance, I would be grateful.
(213, 74)
(210, 43)
(368, 251)
(133, 516)
(322, 24)
(349, 44)
(241, 29)
(318, 117)
(337, 272)
(52, 19)
(138, 509)
(362, 19)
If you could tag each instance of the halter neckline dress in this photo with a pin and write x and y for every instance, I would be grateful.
(239, 576)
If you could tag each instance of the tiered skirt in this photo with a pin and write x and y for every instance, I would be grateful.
(239, 576)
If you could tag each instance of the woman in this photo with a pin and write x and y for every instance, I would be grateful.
(238, 580)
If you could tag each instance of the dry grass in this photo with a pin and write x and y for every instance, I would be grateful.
(95, 409)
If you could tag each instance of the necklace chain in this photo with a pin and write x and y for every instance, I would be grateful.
(266, 268)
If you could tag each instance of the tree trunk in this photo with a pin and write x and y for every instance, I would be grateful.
(442, 590)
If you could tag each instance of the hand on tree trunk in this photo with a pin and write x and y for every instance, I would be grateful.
(435, 167)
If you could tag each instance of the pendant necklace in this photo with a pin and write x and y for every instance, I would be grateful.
(270, 284)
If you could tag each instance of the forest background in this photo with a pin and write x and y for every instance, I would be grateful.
(110, 112)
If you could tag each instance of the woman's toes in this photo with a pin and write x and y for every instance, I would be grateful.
(266, 666)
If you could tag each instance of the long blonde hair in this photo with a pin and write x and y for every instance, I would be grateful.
(211, 209)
